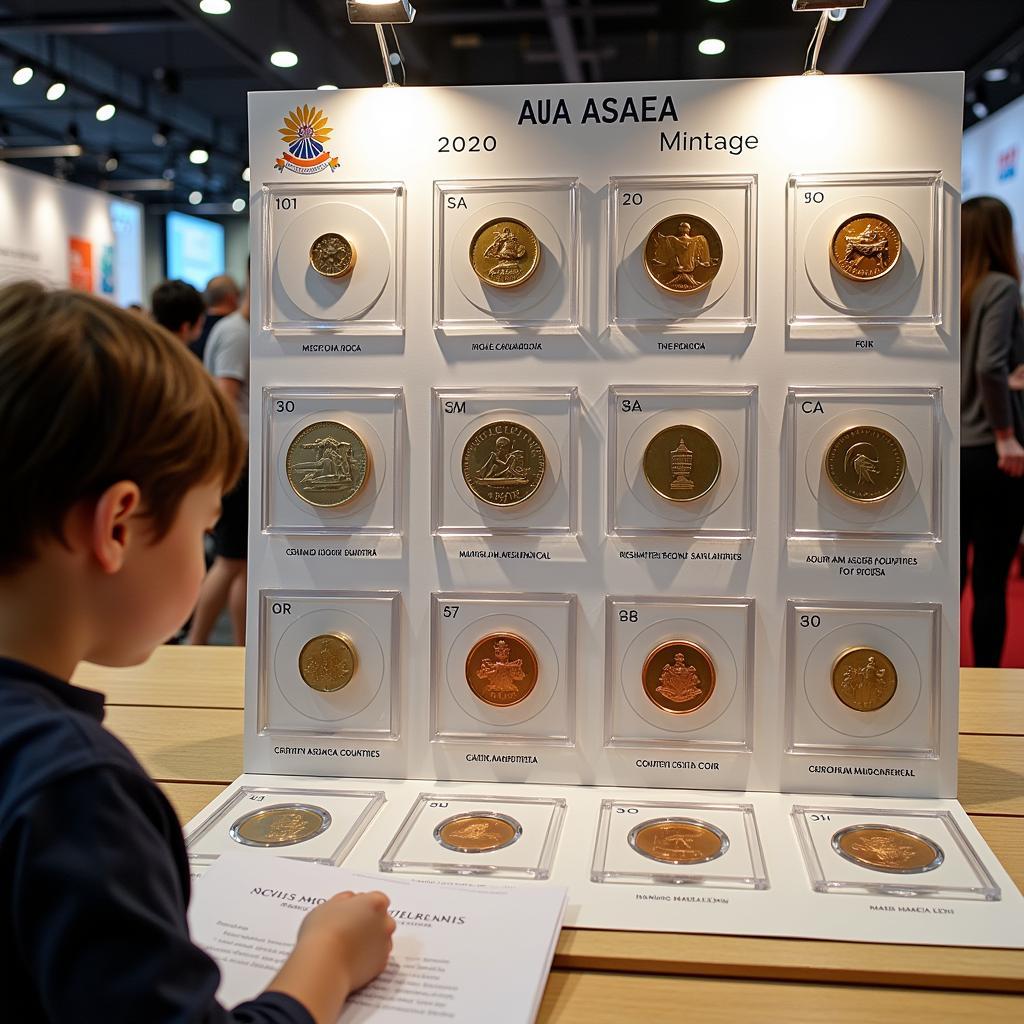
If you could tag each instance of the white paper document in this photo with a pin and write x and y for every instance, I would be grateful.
(461, 952)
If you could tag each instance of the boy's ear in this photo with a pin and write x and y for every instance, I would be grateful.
(112, 525)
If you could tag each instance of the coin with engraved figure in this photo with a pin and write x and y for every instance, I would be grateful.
(864, 679)
(887, 848)
(504, 463)
(280, 825)
(865, 464)
(328, 662)
(478, 832)
(678, 840)
(683, 254)
(682, 462)
(332, 255)
(679, 677)
(502, 669)
(504, 253)
(328, 464)
(865, 247)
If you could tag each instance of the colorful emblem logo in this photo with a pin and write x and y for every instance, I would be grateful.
(1007, 163)
(306, 133)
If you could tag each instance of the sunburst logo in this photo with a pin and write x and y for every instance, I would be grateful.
(305, 133)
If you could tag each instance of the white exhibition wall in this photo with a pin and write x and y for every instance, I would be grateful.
(69, 235)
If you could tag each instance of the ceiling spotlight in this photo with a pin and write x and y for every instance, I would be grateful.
(718, 1)
(381, 12)
(23, 75)
(168, 174)
(215, 6)
(996, 75)
(245, 174)
(195, 197)
(199, 155)
(979, 109)
(111, 162)
(327, 88)
(238, 205)
(56, 90)
(284, 58)
(161, 134)
(105, 111)
(711, 47)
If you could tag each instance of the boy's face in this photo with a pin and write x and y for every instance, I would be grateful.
(153, 594)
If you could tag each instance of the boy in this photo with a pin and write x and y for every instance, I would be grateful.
(115, 448)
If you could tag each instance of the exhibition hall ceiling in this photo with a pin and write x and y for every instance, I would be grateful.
(178, 77)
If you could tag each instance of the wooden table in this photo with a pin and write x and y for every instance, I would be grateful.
(181, 713)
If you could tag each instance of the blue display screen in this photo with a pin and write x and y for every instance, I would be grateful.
(195, 249)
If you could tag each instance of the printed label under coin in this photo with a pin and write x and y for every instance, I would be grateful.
(280, 825)
(865, 464)
(504, 253)
(679, 677)
(678, 840)
(328, 464)
(865, 247)
(332, 255)
(478, 832)
(864, 679)
(683, 254)
(887, 848)
(502, 669)
(682, 462)
(503, 463)
(328, 662)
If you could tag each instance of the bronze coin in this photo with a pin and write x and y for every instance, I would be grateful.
(328, 464)
(865, 247)
(678, 840)
(864, 679)
(679, 677)
(280, 825)
(887, 848)
(504, 253)
(478, 832)
(682, 462)
(328, 662)
(504, 463)
(332, 255)
(502, 669)
(683, 254)
(865, 464)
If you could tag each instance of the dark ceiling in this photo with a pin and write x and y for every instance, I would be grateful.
(168, 66)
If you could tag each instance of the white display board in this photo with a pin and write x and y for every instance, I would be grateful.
(68, 235)
(586, 570)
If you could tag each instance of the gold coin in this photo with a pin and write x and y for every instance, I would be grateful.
(503, 463)
(332, 255)
(864, 679)
(682, 462)
(478, 832)
(683, 254)
(328, 464)
(502, 669)
(280, 825)
(679, 677)
(678, 841)
(865, 247)
(865, 464)
(504, 253)
(887, 848)
(328, 662)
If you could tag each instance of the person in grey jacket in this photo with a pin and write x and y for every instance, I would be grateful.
(991, 417)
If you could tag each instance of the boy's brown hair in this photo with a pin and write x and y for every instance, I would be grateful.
(89, 395)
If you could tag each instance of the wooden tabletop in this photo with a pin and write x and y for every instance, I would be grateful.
(181, 713)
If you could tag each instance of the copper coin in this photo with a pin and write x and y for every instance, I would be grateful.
(280, 825)
(502, 669)
(504, 253)
(328, 662)
(865, 247)
(503, 463)
(678, 840)
(328, 464)
(887, 848)
(864, 679)
(679, 677)
(683, 254)
(865, 464)
(332, 255)
(478, 832)
(682, 462)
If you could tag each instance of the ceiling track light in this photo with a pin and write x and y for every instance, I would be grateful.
(215, 6)
(105, 111)
(829, 10)
(23, 75)
(56, 89)
(198, 155)
(380, 13)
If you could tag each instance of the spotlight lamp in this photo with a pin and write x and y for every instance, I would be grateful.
(105, 111)
(381, 12)
(22, 75)
(56, 90)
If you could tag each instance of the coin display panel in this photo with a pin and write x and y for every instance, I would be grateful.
(332, 255)
(502, 669)
(478, 832)
(505, 253)
(682, 462)
(865, 247)
(280, 825)
(678, 840)
(679, 677)
(865, 464)
(328, 464)
(328, 662)
(864, 679)
(896, 851)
